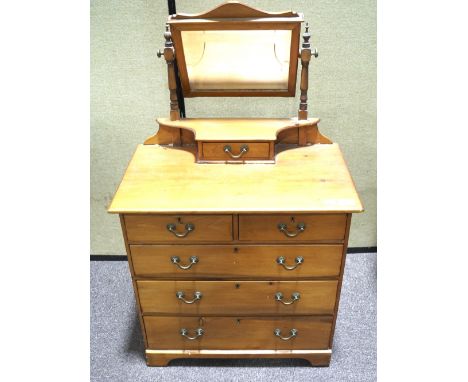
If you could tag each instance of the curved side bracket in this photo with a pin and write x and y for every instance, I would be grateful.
(314, 136)
(171, 136)
(302, 136)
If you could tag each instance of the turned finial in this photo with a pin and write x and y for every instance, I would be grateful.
(168, 37)
(306, 37)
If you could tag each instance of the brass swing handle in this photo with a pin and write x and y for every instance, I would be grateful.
(293, 332)
(199, 332)
(176, 260)
(243, 149)
(196, 297)
(300, 227)
(188, 228)
(296, 296)
(281, 261)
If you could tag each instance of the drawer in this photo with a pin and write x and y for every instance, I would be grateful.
(235, 150)
(237, 297)
(227, 261)
(292, 227)
(178, 228)
(238, 332)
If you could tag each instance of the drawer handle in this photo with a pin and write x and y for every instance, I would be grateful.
(176, 260)
(243, 149)
(281, 261)
(293, 333)
(294, 297)
(188, 228)
(300, 227)
(199, 332)
(196, 296)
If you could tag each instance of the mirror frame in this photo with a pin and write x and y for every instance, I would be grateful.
(236, 16)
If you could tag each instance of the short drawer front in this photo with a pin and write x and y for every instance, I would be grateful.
(235, 150)
(234, 297)
(249, 261)
(178, 229)
(292, 227)
(238, 332)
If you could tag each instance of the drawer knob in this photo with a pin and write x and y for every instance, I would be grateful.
(300, 227)
(198, 333)
(188, 228)
(294, 297)
(196, 296)
(243, 149)
(293, 333)
(176, 260)
(282, 260)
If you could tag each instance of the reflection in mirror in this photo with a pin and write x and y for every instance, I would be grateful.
(237, 59)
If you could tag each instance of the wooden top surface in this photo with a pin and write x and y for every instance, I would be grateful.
(236, 129)
(305, 179)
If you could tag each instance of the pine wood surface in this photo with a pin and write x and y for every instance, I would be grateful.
(238, 332)
(153, 228)
(236, 129)
(132, 272)
(236, 210)
(215, 150)
(228, 261)
(234, 9)
(237, 297)
(305, 179)
(317, 227)
(163, 357)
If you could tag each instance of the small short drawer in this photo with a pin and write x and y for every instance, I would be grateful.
(242, 261)
(292, 227)
(232, 297)
(275, 333)
(178, 228)
(235, 151)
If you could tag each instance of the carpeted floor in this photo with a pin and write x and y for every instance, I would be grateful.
(117, 352)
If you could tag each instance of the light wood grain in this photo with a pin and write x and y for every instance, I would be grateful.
(235, 208)
(340, 280)
(238, 332)
(153, 228)
(317, 227)
(233, 9)
(237, 129)
(163, 357)
(215, 151)
(132, 273)
(235, 297)
(227, 261)
(164, 180)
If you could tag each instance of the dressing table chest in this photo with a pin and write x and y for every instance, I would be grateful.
(236, 230)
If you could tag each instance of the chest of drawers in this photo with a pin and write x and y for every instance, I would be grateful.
(225, 266)
(236, 229)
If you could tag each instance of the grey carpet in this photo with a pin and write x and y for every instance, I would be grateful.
(117, 351)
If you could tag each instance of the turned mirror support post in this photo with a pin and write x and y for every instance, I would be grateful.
(169, 56)
(306, 54)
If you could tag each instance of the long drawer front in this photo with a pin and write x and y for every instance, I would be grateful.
(178, 229)
(233, 297)
(217, 261)
(175, 332)
(291, 228)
